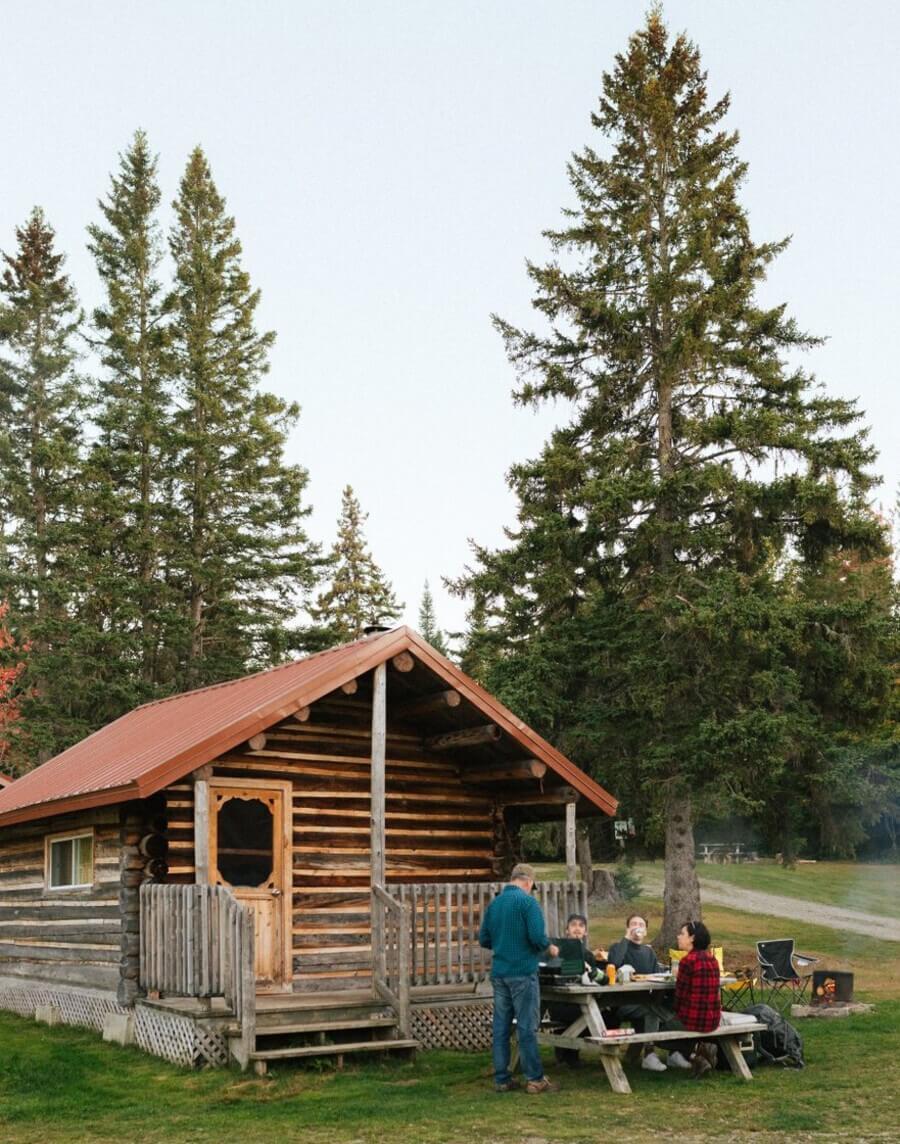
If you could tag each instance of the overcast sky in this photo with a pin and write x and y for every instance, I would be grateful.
(392, 164)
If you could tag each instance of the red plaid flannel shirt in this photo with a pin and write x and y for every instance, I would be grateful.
(698, 998)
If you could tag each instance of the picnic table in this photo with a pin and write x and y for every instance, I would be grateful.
(725, 852)
(611, 1049)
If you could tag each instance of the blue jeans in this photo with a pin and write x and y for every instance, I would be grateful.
(518, 997)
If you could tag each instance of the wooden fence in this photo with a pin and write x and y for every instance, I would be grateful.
(445, 919)
(391, 975)
(198, 941)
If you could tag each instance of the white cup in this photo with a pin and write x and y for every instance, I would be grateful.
(625, 973)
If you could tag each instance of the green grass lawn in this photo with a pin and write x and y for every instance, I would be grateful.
(875, 964)
(64, 1084)
(869, 887)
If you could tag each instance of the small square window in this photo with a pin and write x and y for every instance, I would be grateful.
(70, 862)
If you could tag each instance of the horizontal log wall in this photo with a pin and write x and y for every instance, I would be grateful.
(437, 831)
(179, 812)
(69, 937)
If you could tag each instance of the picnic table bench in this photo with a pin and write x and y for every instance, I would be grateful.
(612, 1049)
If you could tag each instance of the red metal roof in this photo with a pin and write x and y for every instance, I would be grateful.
(159, 743)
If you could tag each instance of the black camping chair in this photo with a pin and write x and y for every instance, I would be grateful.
(784, 976)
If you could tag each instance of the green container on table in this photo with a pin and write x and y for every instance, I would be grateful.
(571, 957)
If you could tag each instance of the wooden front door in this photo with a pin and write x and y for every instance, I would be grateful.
(250, 853)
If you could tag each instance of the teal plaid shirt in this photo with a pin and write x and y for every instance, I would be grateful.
(513, 929)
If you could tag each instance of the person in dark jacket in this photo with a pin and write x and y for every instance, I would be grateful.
(646, 1018)
(513, 928)
(564, 1014)
(632, 951)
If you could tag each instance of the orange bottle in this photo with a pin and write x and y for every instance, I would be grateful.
(611, 974)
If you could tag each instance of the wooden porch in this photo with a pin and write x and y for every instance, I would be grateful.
(197, 961)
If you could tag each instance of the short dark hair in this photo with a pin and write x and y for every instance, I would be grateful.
(576, 918)
(700, 934)
(631, 918)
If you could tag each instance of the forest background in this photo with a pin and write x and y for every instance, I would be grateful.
(155, 522)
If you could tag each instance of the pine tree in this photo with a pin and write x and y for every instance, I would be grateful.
(359, 594)
(640, 613)
(847, 665)
(240, 558)
(40, 440)
(428, 625)
(128, 473)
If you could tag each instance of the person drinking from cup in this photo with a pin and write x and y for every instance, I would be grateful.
(631, 952)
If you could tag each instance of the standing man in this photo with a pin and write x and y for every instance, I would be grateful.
(513, 929)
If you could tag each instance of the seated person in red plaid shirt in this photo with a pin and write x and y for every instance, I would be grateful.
(698, 1001)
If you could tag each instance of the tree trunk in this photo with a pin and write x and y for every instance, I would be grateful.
(681, 902)
(601, 885)
(507, 842)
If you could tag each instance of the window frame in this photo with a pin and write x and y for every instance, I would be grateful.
(67, 836)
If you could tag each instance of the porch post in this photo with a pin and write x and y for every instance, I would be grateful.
(376, 820)
(571, 860)
(201, 825)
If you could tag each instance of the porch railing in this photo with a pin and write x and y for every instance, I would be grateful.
(445, 919)
(198, 941)
(391, 920)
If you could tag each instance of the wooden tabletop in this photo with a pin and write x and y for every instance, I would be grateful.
(576, 987)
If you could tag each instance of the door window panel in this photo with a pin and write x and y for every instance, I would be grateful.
(244, 842)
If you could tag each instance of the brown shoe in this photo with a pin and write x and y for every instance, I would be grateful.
(511, 1086)
(543, 1085)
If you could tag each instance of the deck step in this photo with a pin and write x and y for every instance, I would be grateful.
(326, 1026)
(331, 1050)
(357, 1014)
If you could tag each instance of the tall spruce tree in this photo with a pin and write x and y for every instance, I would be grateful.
(40, 439)
(127, 478)
(847, 666)
(359, 594)
(428, 625)
(240, 557)
(643, 613)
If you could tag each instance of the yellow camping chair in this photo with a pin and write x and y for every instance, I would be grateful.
(718, 952)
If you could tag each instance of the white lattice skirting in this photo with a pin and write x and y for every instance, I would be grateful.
(175, 1039)
(75, 1007)
(178, 1039)
(458, 1026)
(465, 1026)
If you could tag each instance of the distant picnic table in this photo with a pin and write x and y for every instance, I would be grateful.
(726, 852)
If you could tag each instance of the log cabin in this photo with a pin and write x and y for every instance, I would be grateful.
(289, 864)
